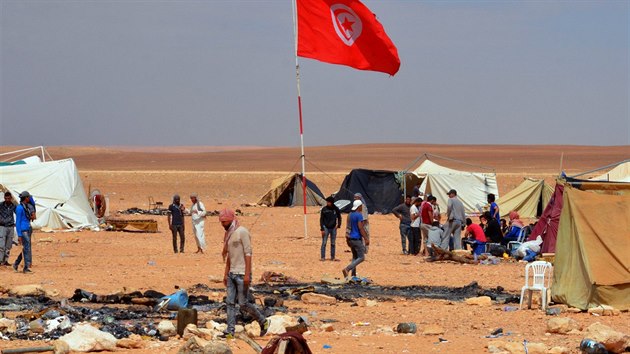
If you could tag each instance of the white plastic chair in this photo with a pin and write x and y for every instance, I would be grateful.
(540, 282)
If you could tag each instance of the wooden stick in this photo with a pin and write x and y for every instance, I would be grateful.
(28, 350)
(242, 336)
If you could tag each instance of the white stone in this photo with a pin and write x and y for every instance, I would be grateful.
(167, 328)
(278, 323)
(85, 338)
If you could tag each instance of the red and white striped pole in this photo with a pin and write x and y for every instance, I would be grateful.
(299, 99)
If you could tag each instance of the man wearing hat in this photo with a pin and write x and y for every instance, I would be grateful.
(455, 216)
(329, 222)
(23, 217)
(356, 237)
(7, 224)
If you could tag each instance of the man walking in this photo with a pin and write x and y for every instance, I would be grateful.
(237, 254)
(455, 216)
(198, 217)
(7, 224)
(356, 237)
(414, 242)
(23, 217)
(402, 213)
(176, 223)
(329, 222)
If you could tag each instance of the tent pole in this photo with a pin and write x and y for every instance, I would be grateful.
(299, 100)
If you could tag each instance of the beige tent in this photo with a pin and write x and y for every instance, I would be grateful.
(621, 173)
(528, 198)
(287, 191)
(592, 266)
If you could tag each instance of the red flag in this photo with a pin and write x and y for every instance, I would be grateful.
(344, 32)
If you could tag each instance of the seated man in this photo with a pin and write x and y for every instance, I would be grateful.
(475, 237)
(436, 238)
(515, 228)
(491, 228)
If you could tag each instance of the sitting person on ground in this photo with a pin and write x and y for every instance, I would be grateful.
(475, 237)
(491, 228)
(436, 239)
(515, 228)
(504, 227)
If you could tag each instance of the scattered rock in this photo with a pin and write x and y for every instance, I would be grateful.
(278, 323)
(217, 347)
(166, 328)
(194, 345)
(433, 330)
(499, 346)
(7, 325)
(215, 279)
(614, 341)
(27, 290)
(62, 322)
(37, 326)
(133, 342)
(496, 346)
(327, 327)
(216, 326)
(573, 310)
(85, 338)
(253, 329)
(479, 301)
(203, 333)
(60, 347)
(559, 350)
(314, 298)
(604, 310)
(561, 325)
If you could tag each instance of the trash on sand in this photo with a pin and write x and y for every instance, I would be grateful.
(406, 327)
(327, 346)
(360, 324)
(178, 300)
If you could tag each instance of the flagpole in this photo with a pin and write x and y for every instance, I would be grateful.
(299, 101)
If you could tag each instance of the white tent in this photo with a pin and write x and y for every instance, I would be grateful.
(621, 173)
(472, 187)
(58, 192)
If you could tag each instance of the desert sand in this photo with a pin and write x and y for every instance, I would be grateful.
(105, 262)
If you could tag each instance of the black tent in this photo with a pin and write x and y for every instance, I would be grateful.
(380, 189)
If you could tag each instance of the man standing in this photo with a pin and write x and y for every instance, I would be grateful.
(7, 224)
(427, 222)
(416, 190)
(402, 213)
(198, 216)
(237, 254)
(329, 222)
(176, 223)
(494, 207)
(364, 211)
(23, 217)
(414, 242)
(455, 216)
(356, 237)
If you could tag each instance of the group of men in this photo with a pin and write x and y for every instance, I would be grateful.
(17, 217)
(175, 218)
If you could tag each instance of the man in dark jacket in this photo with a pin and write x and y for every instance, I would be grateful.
(329, 222)
(7, 224)
(402, 213)
(492, 228)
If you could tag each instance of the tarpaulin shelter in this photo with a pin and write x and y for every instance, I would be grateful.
(620, 173)
(528, 198)
(472, 187)
(380, 189)
(547, 225)
(592, 266)
(60, 199)
(287, 191)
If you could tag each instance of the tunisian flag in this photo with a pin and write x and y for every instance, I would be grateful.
(344, 32)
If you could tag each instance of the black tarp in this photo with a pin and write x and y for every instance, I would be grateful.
(380, 189)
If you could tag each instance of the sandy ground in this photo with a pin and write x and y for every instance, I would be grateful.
(104, 262)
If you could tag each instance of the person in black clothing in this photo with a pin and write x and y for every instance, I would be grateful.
(402, 213)
(492, 228)
(176, 223)
(329, 222)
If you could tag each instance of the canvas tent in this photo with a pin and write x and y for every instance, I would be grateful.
(621, 173)
(57, 189)
(287, 191)
(472, 187)
(380, 189)
(591, 264)
(548, 224)
(529, 198)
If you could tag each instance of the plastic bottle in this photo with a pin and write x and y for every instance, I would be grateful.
(406, 327)
(589, 346)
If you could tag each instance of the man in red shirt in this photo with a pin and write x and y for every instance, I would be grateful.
(426, 214)
(475, 237)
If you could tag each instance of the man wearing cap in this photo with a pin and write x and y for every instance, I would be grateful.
(7, 224)
(356, 237)
(23, 218)
(364, 212)
(176, 223)
(402, 213)
(455, 216)
(237, 254)
(329, 222)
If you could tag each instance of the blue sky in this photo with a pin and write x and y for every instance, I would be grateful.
(222, 73)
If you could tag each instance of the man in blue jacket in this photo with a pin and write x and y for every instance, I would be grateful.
(24, 213)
